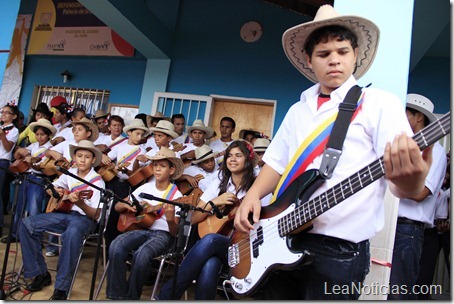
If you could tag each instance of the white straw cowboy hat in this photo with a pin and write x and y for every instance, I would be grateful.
(159, 115)
(165, 127)
(93, 128)
(137, 123)
(166, 153)
(86, 145)
(203, 153)
(42, 122)
(199, 125)
(100, 113)
(261, 144)
(365, 30)
(421, 104)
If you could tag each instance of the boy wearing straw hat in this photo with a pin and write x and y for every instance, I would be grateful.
(31, 192)
(333, 51)
(202, 170)
(125, 157)
(147, 243)
(74, 226)
(417, 212)
(199, 133)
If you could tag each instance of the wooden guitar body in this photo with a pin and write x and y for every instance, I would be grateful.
(141, 175)
(48, 166)
(19, 166)
(63, 204)
(131, 221)
(223, 226)
(107, 172)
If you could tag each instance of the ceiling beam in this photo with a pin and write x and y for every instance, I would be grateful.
(135, 23)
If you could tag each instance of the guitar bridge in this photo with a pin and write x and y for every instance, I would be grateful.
(233, 255)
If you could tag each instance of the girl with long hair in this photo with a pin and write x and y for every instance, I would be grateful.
(204, 261)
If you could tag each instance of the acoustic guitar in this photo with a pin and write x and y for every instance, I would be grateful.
(223, 226)
(21, 166)
(141, 175)
(108, 172)
(145, 218)
(63, 204)
(49, 166)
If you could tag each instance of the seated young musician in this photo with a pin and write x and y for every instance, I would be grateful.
(204, 260)
(31, 192)
(123, 156)
(147, 243)
(73, 226)
(202, 170)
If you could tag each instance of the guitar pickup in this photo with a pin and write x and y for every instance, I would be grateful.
(257, 242)
(233, 255)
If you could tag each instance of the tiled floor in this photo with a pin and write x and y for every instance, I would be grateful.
(83, 282)
(82, 285)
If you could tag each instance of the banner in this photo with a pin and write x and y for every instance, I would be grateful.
(66, 27)
(14, 70)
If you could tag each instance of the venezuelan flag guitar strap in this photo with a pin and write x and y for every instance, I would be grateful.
(315, 143)
(168, 195)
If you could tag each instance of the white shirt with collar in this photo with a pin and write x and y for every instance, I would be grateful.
(12, 135)
(424, 211)
(150, 188)
(381, 117)
(73, 184)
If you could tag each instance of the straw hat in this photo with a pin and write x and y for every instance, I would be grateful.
(244, 131)
(261, 144)
(421, 104)
(87, 145)
(100, 113)
(166, 127)
(166, 153)
(136, 123)
(159, 115)
(365, 30)
(42, 122)
(93, 128)
(203, 153)
(199, 125)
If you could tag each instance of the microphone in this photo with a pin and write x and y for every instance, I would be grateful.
(135, 202)
(51, 188)
(216, 210)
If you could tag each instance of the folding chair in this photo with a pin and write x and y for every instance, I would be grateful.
(90, 239)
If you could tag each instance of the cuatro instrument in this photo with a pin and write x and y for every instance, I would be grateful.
(63, 204)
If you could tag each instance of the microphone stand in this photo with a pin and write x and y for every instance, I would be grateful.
(19, 179)
(106, 197)
(180, 243)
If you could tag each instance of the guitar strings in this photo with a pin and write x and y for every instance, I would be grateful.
(431, 134)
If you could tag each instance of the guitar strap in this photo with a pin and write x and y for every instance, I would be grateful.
(333, 149)
(315, 143)
(168, 195)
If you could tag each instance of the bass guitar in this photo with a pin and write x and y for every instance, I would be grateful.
(224, 225)
(251, 256)
(63, 204)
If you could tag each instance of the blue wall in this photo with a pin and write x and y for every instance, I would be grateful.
(432, 78)
(210, 58)
(122, 76)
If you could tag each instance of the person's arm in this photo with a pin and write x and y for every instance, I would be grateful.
(172, 220)
(227, 198)
(264, 184)
(8, 145)
(91, 212)
(406, 168)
